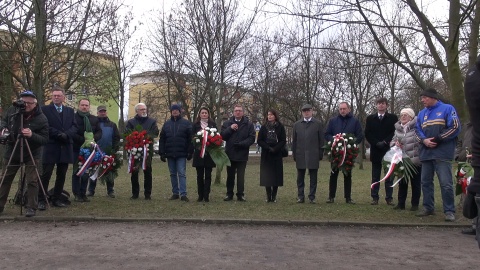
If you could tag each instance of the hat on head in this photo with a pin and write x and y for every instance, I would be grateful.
(101, 108)
(431, 93)
(27, 93)
(306, 107)
(408, 111)
(175, 107)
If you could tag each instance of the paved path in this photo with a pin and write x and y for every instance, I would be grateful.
(101, 245)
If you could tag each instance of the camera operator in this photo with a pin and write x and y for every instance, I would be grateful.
(35, 130)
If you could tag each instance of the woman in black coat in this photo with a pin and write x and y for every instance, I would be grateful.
(272, 138)
(203, 165)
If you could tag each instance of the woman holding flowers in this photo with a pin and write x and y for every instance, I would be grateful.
(203, 165)
(272, 139)
(405, 138)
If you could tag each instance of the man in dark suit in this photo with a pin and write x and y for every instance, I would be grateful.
(379, 131)
(59, 149)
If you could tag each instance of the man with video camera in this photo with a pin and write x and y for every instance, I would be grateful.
(35, 131)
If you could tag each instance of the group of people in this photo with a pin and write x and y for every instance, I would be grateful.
(51, 137)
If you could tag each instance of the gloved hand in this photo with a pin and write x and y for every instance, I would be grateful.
(62, 137)
(163, 158)
(381, 145)
(189, 156)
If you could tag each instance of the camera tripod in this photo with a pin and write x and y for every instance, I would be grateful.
(21, 142)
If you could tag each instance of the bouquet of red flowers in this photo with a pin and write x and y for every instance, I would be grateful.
(342, 152)
(463, 176)
(209, 140)
(139, 147)
(109, 165)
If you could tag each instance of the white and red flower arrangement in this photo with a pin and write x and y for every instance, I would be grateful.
(139, 147)
(396, 162)
(342, 151)
(463, 176)
(209, 140)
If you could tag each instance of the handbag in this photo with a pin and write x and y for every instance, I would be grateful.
(469, 206)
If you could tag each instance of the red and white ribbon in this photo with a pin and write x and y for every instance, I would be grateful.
(204, 143)
(131, 162)
(87, 163)
(339, 138)
(397, 157)
(145, 154)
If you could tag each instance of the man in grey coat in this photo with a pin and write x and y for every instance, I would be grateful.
(307, 143)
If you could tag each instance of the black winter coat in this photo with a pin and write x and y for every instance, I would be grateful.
(57, 151)
(240, 140)
(176, 138)
(377, 130)
(271, 163)
(36, 122)
(206, 161)
(147, 123)
(78, 138)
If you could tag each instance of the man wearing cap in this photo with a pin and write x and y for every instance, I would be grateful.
(87, 123)
(437, 129)
(379, 131)
(150, 125)
(346, 123)
(307, 151)
(59, 149)
(239, 134)
(174, 146)
(109, 143)
(35, 131)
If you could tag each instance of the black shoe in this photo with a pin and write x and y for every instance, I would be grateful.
(148, 197)
(90, 194)
(425, 213)
(206, 199)
(469, 231)
(374, 202)
(349, 201)
(274, 199)
(399, 207)
(390, 202)
(241, 199)
(414, 208)
(174, 197)
(78, 198)
(312, 201)
(111, 194)
(228, 198)
(134, 197)
(58, 203)
(184, 198)
(30, 212)
(42, 206)
(330, 200)
(85, 198)
(200, 199)
(300, 200)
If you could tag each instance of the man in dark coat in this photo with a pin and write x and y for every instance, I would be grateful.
(239, 134)
(346, 123)
(379, 131)
(86, 123)
(150, 125)
(109, 143)
(59, 149)
(472, 94)
(174, 146)
(307, 151)
(35, 131)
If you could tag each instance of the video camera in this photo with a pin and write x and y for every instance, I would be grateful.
(20, 104)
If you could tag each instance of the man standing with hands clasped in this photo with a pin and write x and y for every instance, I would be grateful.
(307, 151)
(379, 131)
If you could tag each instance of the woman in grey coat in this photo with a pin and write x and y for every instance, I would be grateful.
(406, 139)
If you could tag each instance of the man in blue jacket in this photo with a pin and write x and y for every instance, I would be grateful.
(437, 129)
(346, 123)
(174, 146)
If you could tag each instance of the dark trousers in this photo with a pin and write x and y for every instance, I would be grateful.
(147, 183)
(236, 168)
(301, 183)
(204, 181)
(109, 181)
(376, 173)
(31, 182)
(347, 184)
(271, 193)
(416, 183)
(59, 180)
(79, 184)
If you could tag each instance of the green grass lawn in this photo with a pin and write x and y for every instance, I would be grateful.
(286, 207)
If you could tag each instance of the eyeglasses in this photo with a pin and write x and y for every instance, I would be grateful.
(30, 103)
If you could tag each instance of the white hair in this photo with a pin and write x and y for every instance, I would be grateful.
(140, 104)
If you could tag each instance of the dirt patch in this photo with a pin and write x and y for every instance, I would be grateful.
(32, 245)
